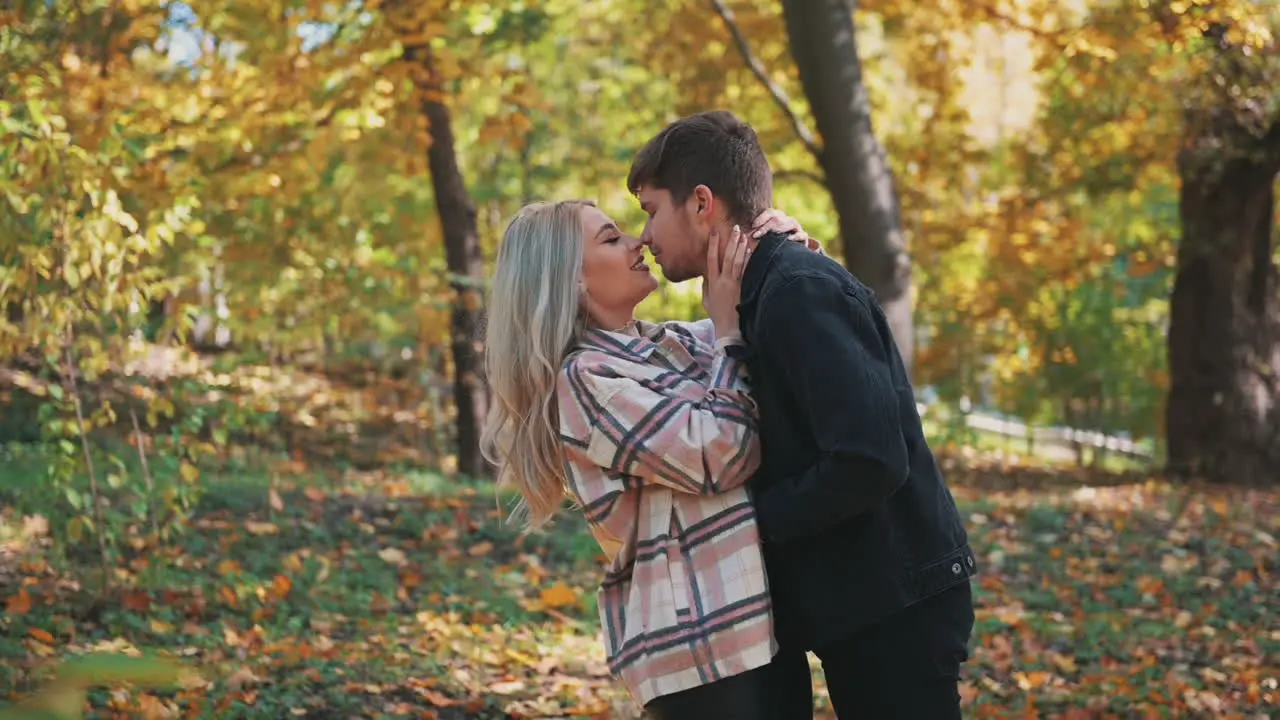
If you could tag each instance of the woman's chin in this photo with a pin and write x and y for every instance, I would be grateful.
(649, 283)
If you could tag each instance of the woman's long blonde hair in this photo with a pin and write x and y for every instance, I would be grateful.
(534, 317)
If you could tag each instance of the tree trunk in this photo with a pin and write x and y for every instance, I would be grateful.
(466, 267)
(859, 178)
(1224, 336)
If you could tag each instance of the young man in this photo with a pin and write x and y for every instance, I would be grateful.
(868, 561)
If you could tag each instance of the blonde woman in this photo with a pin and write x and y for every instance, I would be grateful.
(651, 430)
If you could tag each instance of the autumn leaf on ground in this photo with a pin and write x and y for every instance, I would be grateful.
(280, 587)
(256, 527)
(19, 603)
(275, 501)
(241, 679)
(558, 596)
(507, 687)
(34, 526)
(393, 556)
(136, 600)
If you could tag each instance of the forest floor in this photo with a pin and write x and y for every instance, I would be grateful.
(304, 585)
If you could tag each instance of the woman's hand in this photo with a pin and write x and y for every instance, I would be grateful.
(722, 287)
(774, 220)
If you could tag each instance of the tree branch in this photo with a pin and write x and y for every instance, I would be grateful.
(797, 174)
(779, 95)
(1055, 37)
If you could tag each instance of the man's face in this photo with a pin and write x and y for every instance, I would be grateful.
(673, 235)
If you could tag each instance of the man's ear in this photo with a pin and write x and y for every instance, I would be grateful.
(704, 202)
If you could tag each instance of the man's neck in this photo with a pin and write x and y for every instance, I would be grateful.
(725, 232)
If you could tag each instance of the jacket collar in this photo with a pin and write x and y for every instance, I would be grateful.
(636, 347)
(763, 256)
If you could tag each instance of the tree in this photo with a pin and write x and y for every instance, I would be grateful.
(858, 176)
(1224, 334)
(463, 256)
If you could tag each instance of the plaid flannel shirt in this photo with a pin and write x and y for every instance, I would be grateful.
(660, 436)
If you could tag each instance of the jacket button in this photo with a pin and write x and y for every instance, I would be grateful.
(969, 558)
(955, 569)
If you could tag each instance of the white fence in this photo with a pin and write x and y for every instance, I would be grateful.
(1057, 437)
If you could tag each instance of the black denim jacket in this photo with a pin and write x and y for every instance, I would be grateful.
(856, 519)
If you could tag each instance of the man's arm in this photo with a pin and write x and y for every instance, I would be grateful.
(824, 347)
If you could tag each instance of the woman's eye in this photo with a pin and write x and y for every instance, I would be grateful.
(614, 239)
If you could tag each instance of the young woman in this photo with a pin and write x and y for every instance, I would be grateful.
(651, 430)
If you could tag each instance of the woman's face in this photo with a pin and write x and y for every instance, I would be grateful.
(614, 273)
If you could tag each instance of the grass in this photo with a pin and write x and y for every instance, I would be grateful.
(400, 589)
(401, 593)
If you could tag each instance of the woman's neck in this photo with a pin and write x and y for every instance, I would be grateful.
(614, 322)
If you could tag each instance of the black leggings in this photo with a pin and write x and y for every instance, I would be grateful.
(751, 695)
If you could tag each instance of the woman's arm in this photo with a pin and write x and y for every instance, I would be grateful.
(699, 447)
(704, 331)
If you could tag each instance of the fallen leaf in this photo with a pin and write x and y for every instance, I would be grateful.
(1064, 663)
(34, 526)
(380, 604)
(40, 648)
(481, 548)
(393, 556)
(293, 563)
(281, 586)
(241, 679)
(558, 595)
(255, 527)
(153, 708)
(137, 601)
(507, 687)
(436, 698)
(274, 499)
(19, 604)
(43, 636)
(325, 565)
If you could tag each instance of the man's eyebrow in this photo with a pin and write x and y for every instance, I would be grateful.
(606, 226)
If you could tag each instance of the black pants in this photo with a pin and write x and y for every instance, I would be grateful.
(906, 666)
(751, 695)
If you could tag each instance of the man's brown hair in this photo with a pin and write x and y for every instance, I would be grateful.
(715, 149)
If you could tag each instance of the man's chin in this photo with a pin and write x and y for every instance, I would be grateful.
(676, 275)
